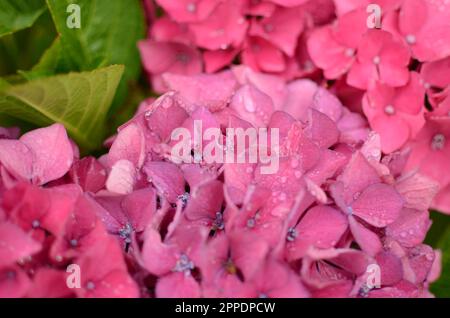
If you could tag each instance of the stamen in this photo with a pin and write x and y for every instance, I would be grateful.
(291, 235)
(125, 232)
(438, 142)
(184, 264)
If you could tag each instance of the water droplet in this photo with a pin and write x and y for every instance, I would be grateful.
(389, 110)
(191, 7)
(410, 39)
(249, 105)
(349, 52)
(90, 285)
(73, 242)
(376, 60)
(438, 142)
(294, 163)
(35, 224)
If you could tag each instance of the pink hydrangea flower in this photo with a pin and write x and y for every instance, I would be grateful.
(397, 114)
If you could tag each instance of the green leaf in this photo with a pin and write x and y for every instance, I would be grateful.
(52, 62)
(439, 236)
(16, 15)
(80, 101)
(23, 49)
(441, 288)
(110, 30)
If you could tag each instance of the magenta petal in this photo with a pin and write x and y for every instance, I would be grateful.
(391, 269)
(167, 178)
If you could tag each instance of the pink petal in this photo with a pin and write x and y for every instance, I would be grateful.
(379, 205)
(367, 240)
(53, 153)
(15, 244)
(177, 285)
(122, 177)
(129, 145)
(167, 178)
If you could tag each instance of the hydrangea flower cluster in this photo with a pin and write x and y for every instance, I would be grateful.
(397, 75)
(137, 224)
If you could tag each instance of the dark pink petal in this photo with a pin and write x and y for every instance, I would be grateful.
(282, 28)
(15, 244)
(189, 10)
(321, 227)
(367, 240)
(391, 269)
(166, 178)
(225, 27)
(14, 282)
(262, 55)
(379, 205)
(161, 57)
(205, 202)
(89, 174)
(49, 283)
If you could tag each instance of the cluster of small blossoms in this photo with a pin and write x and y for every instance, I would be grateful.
(193, 36)
(336, 219)
(393, 67)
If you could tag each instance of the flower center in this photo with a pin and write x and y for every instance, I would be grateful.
(389, 110)
(291, 235)
(73, 242)
(251, 223)
(125, 232)
(90, 285)
(268, 27)
(184, 198)
(183, 58)
(218, 222)
(184, 264)
(230, 267)
(438, 142)
(35, 224)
